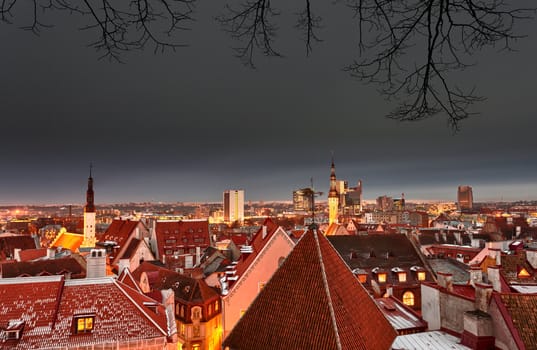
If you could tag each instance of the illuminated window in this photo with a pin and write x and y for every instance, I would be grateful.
(242, 312)
(83, 324)
(408, 298)
(182, 329)
(382, 277)
(421, 275)
(402, 276)
(362, 278)
(523, 273)
(196, 313)
(196, 347)
(182, 314)
(216, 306)
(260, 286)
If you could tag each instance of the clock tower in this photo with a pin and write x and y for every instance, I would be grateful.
(333, 197)
(89, 216)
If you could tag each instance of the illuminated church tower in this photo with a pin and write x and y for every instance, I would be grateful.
(89, 216)
(333, 197)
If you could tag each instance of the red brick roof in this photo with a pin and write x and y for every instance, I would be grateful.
(32, 254)
(8, 244)
(186, 234)
(519, 313)
(119, 231)
(49, 306)
(63, 266)
(313, 301)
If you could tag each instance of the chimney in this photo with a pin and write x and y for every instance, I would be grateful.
(17, 254)
(123, 264)
(478, 331)
(496, 254)
(493, 274)
(198, 256)
(51, 253)
(445, 280)
(476, 275)
(531, 256)
(483, 293)
(96, 263)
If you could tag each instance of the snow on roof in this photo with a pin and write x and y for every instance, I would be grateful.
(435, 340)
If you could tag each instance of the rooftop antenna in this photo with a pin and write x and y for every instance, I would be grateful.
(313, 226)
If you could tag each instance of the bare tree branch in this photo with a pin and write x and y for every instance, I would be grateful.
(120, 26)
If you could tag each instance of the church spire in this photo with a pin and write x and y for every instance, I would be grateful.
(333, 197)
(90, 201)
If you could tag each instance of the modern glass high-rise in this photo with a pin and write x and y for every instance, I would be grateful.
(233, 205)
(465, 198)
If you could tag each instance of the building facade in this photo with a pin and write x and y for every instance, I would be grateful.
(233, 205)
(465, 198)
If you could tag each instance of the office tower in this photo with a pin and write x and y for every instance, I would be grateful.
(353, 199)
(465, 198)
(303, 199)
(233, 205)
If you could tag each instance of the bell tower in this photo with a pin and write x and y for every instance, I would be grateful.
(333, 197)
(89, 215)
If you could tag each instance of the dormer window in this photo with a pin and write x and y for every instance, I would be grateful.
(83, 323)
(421, 275)
(381, 277)
(523, 273)
(13, 331)
(402, 276)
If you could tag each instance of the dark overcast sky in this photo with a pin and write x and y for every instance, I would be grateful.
(185, 126)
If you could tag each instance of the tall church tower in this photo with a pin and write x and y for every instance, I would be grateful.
(89, 216)
(333, 197)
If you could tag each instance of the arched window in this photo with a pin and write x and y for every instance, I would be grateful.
(408, 298)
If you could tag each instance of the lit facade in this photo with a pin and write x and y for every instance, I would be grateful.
(333, 197)
(89, 217)
(233, 205)
(465, 198)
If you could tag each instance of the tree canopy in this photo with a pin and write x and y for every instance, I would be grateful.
(408, 48)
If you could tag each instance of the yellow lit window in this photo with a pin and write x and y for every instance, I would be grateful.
(523, 273)
(402, 276)
(408, 298)
(362, 278)
(84, 324)
(216, 306)
(261, 286)
(382, 277)
(242, 312)
(421, 275)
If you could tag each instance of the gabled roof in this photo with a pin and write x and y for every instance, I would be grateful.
(370, 251)
(172, 235)
(32, 254)
(335, 229)
(518, 311)
(119, 231)
(8, 244)
(313, 301)
(262, 237)
(67, 240)
(68, 265)
(49, 306)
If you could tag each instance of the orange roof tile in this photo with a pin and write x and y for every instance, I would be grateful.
(66, 240)
(313, 301)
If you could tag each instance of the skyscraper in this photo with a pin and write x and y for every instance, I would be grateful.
(233, 205)
(465, 198)
(303, 199)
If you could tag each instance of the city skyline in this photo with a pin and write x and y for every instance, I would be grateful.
(187, 125)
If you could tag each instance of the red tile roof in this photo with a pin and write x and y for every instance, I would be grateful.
(313, 301)
(518, 311)
(187, 234)
(49, 305)
(119, 231)
(71, 266)
(8, 244)
(32, 254)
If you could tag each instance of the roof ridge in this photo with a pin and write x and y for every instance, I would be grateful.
(121, 286)
(327, 289)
